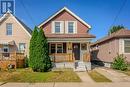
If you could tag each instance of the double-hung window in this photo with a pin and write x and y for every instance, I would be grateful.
(70, 27)
(126, 46)
(59, 48)
(57, 27)
(9, 29)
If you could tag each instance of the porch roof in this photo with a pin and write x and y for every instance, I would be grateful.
(69, 40)
(7, 42)
(86, 35)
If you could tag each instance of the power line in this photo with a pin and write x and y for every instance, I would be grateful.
(29, 15)
(117, 15)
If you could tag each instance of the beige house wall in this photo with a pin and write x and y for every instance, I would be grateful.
(19, 34)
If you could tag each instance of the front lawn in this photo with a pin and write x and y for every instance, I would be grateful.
(27, 75)
(97, 77)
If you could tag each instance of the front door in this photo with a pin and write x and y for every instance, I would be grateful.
(76, 51)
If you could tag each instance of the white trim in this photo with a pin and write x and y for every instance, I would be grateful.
(65, 8)
(74, 27)
(4, 16)
(124, 46)
(61, 27)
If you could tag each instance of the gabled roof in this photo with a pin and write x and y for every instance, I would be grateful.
(66, 9)
(24, 26)
(123, 33)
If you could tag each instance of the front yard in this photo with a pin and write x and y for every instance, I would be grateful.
(27, 75)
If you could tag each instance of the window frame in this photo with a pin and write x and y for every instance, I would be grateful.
(8, 30)
(74, 27)
(24, 46)
(125, 46)
(61, 27)
(5, 47)
(71, 26)
(56, 47)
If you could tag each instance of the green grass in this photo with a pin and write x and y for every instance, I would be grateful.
(97, 77)
(27, 75)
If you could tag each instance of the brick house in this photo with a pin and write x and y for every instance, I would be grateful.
(69, 40)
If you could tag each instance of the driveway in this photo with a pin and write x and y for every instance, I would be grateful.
(113, 75)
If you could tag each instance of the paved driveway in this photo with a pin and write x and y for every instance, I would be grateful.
(113, 75)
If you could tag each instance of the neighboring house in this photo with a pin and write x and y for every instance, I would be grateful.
(108, 47)
(14, 36)
(69, 39)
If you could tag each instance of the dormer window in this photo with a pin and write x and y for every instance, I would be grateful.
(57, 27)
(9, 29)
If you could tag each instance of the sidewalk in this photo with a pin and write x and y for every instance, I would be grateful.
(113, 75)
(121, 84)
(85, 77)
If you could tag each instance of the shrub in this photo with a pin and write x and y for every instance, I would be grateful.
(120, 63)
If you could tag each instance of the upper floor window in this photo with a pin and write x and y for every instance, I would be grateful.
(57, 27)
(8, 29)
(70, 27)
(126, 46)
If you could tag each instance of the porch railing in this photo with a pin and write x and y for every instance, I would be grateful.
(62, 57)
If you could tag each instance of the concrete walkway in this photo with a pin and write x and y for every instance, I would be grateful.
(113, 75)
(85, 77)
(121, 84)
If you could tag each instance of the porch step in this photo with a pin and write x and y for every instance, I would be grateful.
(80, 66)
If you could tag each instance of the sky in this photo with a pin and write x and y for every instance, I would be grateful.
(100, 14)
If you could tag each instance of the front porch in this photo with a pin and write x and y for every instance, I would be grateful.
(70, 54)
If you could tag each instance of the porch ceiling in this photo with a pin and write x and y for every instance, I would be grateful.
(69, 39)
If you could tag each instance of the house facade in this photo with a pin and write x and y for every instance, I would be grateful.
(68, 38)
(108, 47)
(14, 36)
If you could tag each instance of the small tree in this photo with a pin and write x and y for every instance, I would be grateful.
(32, 49)
(120, 63)
(115, 28)
(43, 59)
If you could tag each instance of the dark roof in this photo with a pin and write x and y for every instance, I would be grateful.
(123, 33)
(24, 25)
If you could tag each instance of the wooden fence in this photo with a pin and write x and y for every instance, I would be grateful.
(15, 59)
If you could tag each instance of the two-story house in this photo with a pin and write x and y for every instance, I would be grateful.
(14, 36)
(69, 40)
